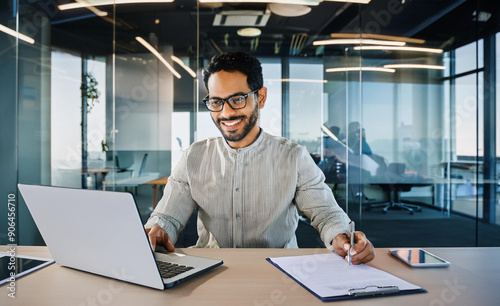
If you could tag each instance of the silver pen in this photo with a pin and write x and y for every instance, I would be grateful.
(349, 257)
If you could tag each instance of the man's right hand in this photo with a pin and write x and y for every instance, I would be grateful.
(158, 236)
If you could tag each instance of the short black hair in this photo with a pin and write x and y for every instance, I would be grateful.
(236, 61)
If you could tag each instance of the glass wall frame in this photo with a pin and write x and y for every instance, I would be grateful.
(413, 135)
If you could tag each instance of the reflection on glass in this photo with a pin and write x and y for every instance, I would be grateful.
(66, 119)
(465, 57)
(306, 101)
(469, 140)
(413, 134)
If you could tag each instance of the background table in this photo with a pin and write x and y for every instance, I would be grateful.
(156, 183)
(246, 278)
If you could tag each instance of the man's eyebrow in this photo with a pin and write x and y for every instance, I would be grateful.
(235, 94)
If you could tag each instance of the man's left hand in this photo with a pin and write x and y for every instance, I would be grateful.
(362, 252)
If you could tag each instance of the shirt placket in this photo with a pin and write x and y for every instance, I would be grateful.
(238, 203)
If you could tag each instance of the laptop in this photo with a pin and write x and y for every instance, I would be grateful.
(101, 232)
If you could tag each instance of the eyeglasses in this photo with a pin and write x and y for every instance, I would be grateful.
(235, 102)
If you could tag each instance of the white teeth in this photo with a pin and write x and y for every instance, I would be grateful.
(232, 123)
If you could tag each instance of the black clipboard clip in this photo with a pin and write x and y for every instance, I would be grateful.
(373, 290)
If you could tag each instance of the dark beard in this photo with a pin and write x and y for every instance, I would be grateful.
(254, 116)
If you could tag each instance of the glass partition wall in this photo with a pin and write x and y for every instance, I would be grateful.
(396, 106)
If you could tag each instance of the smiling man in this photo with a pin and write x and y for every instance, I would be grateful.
(248, 185)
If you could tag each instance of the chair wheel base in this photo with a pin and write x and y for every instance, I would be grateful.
(409, 207)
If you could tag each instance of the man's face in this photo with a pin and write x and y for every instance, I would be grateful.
(239, 127)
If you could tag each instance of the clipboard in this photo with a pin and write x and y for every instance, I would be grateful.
(352, 292)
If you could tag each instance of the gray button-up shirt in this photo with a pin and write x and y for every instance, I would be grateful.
(248, 197)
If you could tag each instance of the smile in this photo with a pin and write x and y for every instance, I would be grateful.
(231, 123)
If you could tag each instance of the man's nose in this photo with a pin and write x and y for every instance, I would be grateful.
(227, 111)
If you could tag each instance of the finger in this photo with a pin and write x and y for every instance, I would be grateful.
(360, 243)
(169, 245)
(363, 249)
(364, 257)
(152, 241)
(341, 244)
(153, 236)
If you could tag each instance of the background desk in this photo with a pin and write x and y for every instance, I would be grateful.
(159, 182)
(246, 278)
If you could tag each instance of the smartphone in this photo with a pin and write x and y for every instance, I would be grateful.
(19, 265)
(419, 258)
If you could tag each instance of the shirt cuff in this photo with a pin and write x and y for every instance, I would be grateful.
(165, 225)
(331, 232)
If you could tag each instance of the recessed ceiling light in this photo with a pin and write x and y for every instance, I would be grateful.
(304, 2)
(249, 32)
(397, 48)
(377, 36)
(80, 4)
(352, 1)
(289, 10)
(181, 63)
(415, 66)
(345, 69)
(296, 80)
(158, 55)
(358, 41)
(11, 32)
(157, 21)
(211, 4)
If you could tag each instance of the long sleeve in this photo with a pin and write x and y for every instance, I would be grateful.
(248, 197)
(176, 205)
(315, 199)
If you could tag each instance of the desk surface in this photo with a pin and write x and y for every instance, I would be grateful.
(246, 278)
(160, 181)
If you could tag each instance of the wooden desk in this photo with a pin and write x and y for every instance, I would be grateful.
(156, 183)
(246, 278)
(102, 172)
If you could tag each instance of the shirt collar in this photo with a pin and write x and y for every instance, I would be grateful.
(254, 144)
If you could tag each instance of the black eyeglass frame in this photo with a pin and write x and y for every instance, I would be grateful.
(226, 101)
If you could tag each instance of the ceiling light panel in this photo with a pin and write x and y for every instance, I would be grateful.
(181, 63)
(87, 3)
(358, 42)
(241, 19)
(249, 32)
(352, 1)
(301, 2)
(396, 48)
(289, 10)
(11, 32)
(377, 36)
(158, 55)
(415, 66)
(344, 69)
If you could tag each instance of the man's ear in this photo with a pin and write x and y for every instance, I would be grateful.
(262, 97)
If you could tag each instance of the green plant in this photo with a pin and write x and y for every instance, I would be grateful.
(89, 90)
(104, 146)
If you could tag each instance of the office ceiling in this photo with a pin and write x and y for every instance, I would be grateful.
(445, 23)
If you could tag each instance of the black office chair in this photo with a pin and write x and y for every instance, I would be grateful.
(395, 183)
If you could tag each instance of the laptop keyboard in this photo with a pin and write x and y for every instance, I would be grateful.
(168, 270)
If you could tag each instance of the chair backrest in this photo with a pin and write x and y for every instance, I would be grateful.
(397, 168)
(382, 165)
(143, 164)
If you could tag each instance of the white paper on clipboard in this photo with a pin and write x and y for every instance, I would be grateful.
(328, 275)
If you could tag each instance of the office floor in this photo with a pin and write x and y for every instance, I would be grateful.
(429, 228)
